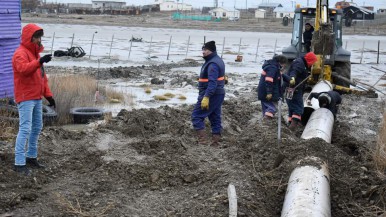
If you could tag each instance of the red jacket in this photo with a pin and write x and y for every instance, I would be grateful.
(29, 80)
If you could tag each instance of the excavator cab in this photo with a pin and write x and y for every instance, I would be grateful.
(337, 58)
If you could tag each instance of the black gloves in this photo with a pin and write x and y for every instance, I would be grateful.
(45, 59)
(51, 101)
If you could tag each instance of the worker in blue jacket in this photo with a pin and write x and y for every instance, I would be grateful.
(270, 84)
(329, 100)
(297, 73)
(211, 95)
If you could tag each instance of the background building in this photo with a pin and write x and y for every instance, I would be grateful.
(10, 29)
(108, 4)
(229, 13)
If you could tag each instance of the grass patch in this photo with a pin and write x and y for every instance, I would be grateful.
(169, 95)
(72, 91)
(182, 97)
(148, 90)
(161, 97)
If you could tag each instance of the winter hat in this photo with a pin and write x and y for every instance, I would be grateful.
(324, 100)
(210, 45)
(310, 58)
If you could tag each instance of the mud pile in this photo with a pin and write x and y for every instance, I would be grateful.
(147, 163)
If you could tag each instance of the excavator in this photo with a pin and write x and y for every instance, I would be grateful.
(333, 63)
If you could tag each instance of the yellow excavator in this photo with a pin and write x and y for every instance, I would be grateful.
(333, 62)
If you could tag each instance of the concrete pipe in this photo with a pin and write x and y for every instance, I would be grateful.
(321, 86)
(308, 191)
(319, 125)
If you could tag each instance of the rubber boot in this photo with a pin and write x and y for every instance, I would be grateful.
(295, 124)
(216, 139)
(201, 137)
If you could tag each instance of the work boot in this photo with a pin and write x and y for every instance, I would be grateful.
(33, 162)
(295, 124)
(216, 139)
(22, 170)
(201, 137)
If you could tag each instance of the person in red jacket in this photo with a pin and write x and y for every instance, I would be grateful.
(31, 85)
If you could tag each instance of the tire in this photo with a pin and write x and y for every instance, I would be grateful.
(84, 115)
(343, 69)
(49, 115)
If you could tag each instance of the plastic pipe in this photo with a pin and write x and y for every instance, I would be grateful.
(308, 191)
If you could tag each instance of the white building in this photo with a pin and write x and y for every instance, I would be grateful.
(170, 5)
(260, 13)
(229, 13)
(108, 4)
(281, 12)
(381, 10)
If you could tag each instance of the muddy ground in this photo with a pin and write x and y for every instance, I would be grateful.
(146, 162)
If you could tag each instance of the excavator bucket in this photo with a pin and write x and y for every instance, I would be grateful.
(323, 40)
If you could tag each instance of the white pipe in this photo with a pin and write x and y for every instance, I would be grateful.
(308, 191)
(232, 198)
(321, 86)
(319, 125)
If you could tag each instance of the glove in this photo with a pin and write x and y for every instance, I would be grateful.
(45, 59)
(51, 101)
(205, 103)
(269, 97)
(292, 81)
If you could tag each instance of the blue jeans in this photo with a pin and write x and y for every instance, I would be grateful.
(30, 126)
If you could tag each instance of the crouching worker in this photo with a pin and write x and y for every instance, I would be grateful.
(269, 89)
(211, 95)
(31, 85)
(329, 100)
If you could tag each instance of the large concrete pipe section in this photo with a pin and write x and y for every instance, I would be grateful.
(321, 86)
(319, 125)
(308, 191)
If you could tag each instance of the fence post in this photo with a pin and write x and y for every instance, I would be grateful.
(72, 41)
(131, 43)
(238, 53)
(170, 43)
(111, 45)
(257, 49)
(379, 44)
(274, 48)
(204, 39)
(223, 45)
(187, 48)
(363, 50)
(53, 39)
(151, 40)
(92, 42)
(345, 47)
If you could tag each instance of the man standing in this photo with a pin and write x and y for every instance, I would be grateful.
(269, 89)
(31, 85)
(211, 95)
(296, 74)
(329, 100)
(307, 36)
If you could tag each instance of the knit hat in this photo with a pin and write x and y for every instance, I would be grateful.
(310, 58)
(210, 45)
(324, 100)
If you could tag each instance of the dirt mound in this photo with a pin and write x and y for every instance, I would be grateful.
(146, 163)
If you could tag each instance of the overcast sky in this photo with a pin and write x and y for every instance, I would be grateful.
(231, 3)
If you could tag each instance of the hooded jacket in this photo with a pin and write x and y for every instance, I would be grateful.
(30, 80)
(270, 81)
(299, 71)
